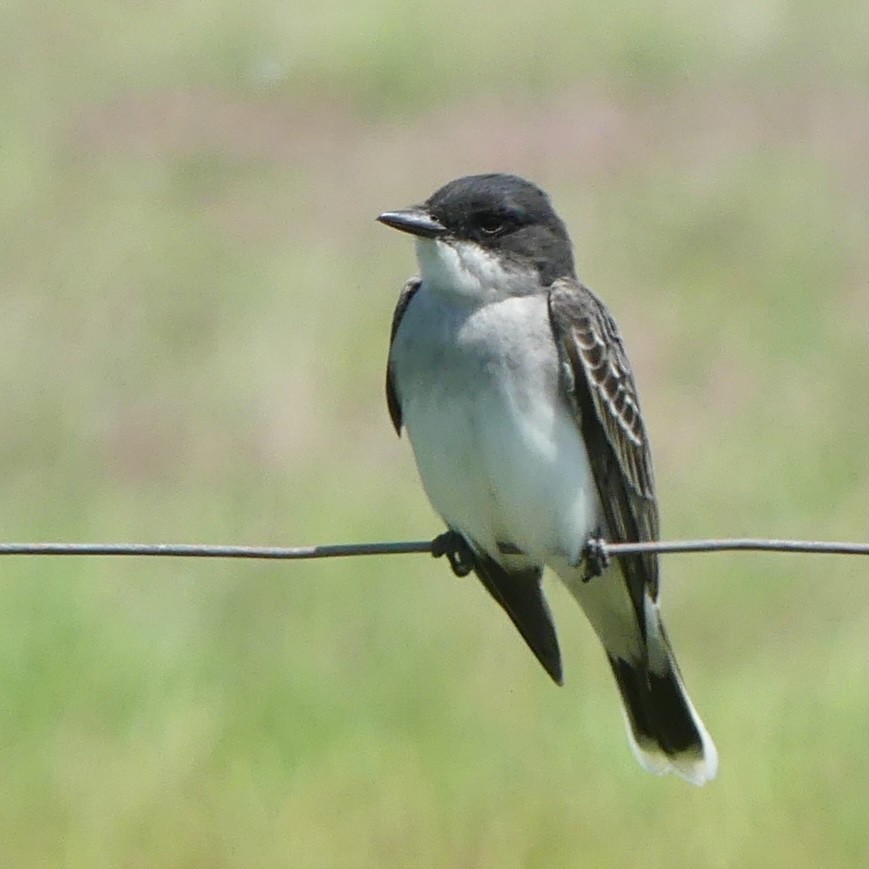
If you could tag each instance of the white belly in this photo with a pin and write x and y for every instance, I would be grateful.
(497, 448)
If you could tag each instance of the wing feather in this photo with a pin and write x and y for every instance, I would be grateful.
(392, 400)
(521, 597)
(599, 385)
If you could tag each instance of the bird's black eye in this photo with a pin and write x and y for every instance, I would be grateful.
(490, 223)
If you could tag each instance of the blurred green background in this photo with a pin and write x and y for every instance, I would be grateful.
(194, 308)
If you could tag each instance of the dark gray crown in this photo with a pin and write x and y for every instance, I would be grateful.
(509, 215)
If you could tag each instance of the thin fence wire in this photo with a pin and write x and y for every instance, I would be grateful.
(341, 550)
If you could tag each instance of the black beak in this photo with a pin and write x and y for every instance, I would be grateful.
(416, 221)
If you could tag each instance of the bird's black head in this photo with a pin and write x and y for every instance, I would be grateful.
(504, 214)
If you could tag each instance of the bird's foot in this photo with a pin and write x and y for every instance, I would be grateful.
(460, 556)
(595, 558)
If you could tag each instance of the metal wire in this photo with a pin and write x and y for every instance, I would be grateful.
(341, 550)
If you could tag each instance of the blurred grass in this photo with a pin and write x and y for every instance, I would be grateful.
(195, 302)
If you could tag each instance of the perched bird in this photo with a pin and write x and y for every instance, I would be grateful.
(512, 381)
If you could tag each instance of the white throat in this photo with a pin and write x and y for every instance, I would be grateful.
(466, 271)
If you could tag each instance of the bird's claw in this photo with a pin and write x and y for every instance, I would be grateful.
(460, 556)
(595, 558)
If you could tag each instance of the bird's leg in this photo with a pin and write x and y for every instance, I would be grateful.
(460, 556)
(595, 557)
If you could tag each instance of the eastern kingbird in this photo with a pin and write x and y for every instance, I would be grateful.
(513, 383)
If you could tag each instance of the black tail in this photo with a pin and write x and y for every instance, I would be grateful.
(667, 734)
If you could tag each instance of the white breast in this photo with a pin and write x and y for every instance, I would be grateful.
(497, 448)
